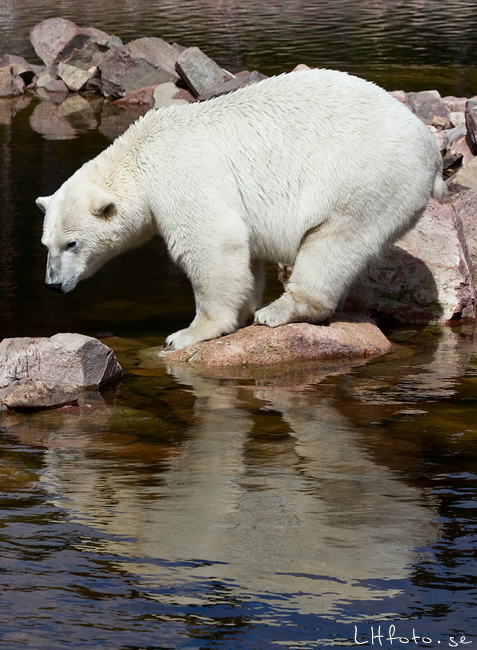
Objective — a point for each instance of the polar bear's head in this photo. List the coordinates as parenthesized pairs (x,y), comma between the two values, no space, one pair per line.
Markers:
(79,232)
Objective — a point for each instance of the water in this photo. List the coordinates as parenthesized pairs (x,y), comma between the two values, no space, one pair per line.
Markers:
(412,44)
(185,512)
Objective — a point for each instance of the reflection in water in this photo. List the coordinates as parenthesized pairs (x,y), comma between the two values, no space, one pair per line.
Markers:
(275,511)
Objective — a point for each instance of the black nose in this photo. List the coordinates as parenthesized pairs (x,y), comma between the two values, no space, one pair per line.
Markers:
(54,287)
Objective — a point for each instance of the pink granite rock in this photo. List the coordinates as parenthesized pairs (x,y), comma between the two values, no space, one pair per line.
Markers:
(11,84)
(141,96)
(347,336)
(66,359)
(200,72)
(430,108)
(54,39)
(426,277)
(232,85)
(465,206)
(168,94)
(141,63)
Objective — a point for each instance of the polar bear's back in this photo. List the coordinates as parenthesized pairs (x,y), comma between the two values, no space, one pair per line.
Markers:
(288,153)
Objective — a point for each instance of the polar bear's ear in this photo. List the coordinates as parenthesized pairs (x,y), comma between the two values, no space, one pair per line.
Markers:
(104,207)
(42,202)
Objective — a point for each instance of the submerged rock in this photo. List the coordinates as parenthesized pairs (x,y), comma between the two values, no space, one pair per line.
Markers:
(31,394)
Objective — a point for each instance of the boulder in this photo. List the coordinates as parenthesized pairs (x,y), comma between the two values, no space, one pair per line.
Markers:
(471,122)
(200,72)
(467,175)
(465,206)
(426,277)
(141,63)
(65,359)
(168,94)
(346,336)
(430,108)
(48,81)
(74,78)
(231,85)
(30,394)
(141,96)
(458,152)
(21,67)
(402,97)
(455,104)
(11,84)
(54,39)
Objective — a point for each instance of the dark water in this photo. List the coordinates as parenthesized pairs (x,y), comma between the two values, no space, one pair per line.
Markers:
(411,44)
(184,512)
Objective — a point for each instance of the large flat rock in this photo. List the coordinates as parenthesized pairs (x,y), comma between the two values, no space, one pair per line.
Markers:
(347,336)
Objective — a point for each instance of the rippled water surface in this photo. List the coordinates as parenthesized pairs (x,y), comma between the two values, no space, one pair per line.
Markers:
(412,44)
(177,511)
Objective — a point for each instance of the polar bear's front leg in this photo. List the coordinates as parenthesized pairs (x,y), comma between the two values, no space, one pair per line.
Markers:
(225,290)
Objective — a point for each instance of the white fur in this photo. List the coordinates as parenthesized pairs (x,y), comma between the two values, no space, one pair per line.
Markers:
(317,169)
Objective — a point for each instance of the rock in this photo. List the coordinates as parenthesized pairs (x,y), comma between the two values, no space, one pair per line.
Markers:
(458,152)
(402,97)
(66,359)
(54,39)
(465,206)
(21,67)
(346,336)
(199,72)
(457,118)
(168,94)
(50,82)
(425,278)
(141,63)
(141,96)
(75,78)
(31,394)
(455,104)
(471,123)
(11,84)
(301,66)
(231,85)
(467,175)
(430,108)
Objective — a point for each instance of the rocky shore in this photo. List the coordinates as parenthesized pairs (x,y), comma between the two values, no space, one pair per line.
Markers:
(91,80)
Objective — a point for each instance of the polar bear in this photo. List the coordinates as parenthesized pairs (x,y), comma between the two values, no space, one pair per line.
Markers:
(317,169)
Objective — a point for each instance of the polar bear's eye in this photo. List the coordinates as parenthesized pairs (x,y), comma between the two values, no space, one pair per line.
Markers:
(70,245)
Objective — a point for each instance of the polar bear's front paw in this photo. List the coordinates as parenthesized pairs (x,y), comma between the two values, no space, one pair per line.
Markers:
(181,339)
